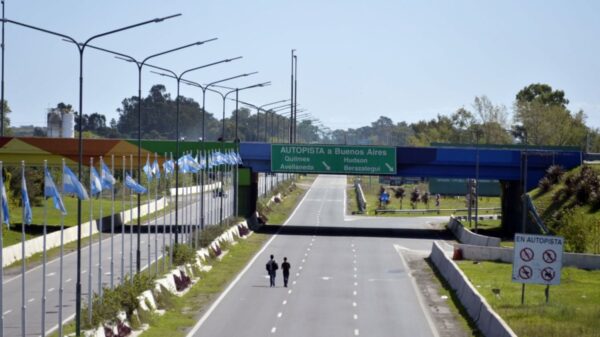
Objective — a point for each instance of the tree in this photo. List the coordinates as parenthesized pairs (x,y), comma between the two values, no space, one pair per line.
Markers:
(6,118)
(494,121)
(543,94)
(541,114)
(414,197)
(400,193)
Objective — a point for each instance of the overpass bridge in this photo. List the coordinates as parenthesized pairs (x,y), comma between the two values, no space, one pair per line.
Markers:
(508,165)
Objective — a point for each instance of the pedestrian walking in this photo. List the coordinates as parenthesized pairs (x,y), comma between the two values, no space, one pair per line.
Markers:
(285,267)
(272,270)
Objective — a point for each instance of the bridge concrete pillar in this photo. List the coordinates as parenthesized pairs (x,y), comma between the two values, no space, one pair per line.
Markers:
(512,207)
(247,195)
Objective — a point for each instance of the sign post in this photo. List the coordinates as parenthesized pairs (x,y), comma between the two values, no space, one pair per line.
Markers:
(366,160)
(537,260)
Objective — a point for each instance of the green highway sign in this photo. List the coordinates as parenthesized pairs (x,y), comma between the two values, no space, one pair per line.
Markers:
(339,159)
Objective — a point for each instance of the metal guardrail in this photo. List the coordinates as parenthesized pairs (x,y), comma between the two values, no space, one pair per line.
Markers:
(434,210)
(360,197)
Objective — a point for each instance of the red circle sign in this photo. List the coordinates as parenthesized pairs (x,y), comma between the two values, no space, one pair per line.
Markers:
(525,272)
(548,274)
(526,254)
(549,256)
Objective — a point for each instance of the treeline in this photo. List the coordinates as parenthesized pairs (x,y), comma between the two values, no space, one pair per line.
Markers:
(539,116)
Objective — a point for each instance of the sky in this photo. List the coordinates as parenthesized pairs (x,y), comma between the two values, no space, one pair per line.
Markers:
(357,60)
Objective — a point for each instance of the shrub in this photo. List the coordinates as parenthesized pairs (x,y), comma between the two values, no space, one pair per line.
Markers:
(544,184)
(123,297)
(183,254)
(576,230)
(554,173)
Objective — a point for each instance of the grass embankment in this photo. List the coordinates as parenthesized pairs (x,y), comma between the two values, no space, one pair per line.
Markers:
(371,189)
(572,310)
(570,207)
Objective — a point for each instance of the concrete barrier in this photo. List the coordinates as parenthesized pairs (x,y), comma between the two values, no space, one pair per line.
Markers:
(195,189)
(488,322)
(505,254)
(12,254)
(464,235)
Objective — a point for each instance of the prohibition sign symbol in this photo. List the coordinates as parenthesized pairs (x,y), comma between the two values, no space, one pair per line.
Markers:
(548,274)
(526,254)
(549,256)
(525,272)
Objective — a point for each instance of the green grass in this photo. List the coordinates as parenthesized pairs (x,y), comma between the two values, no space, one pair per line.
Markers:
(573,308)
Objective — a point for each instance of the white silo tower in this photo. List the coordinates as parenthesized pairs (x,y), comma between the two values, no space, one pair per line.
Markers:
(54,124)
(68,125)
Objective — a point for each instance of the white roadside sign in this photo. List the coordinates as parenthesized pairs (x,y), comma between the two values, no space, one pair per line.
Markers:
(537,259)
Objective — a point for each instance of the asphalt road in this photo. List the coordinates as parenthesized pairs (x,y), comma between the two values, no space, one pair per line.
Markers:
(348,276)
(12,289)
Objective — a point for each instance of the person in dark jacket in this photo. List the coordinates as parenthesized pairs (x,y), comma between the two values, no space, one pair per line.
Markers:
(271,270)
(285,267)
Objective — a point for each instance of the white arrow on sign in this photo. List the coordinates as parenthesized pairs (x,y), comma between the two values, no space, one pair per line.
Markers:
(327,167)
(389,167)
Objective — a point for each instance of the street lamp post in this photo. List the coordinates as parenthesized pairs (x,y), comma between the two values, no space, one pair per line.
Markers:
(81,49)
(224,98)
(140,65)
(179,78)
(258,108)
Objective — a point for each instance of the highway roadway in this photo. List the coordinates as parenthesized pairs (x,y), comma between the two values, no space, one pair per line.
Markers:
(12,293)
(348,276)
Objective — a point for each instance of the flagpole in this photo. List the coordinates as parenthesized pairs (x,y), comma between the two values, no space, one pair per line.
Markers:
(123,221)
(156,215)
(197,236)
(23,303)
(112,226)
(166,187)
(44,257)
(149,231)
(62,240)
(131,225)
(1,254)
(100,229)
(90,244)
(171,224)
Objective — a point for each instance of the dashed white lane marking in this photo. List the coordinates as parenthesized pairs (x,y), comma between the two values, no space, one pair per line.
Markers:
(354,250)
(300,268)
(355,269)
(50,290)
(354,304)
(308,249)
(355,316)
(108,273)
(273,329)
(354,261)
(355,276)
(294,282)
(84,271)
(297,274)
(50,274)
(290,291)
(279,315)
(284,302)
(6,312)
(303,260)
(355,332)
(68,280)
(31,300)
(354,293)
(305,254)
(355,284)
